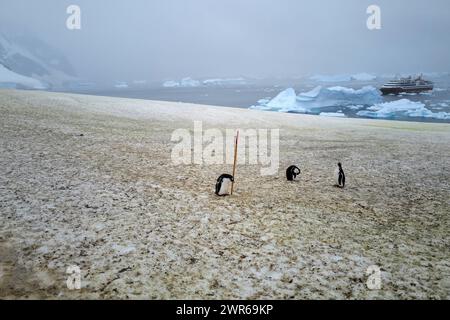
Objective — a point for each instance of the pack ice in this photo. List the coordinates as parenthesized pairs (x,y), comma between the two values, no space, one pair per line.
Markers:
(403,107)
(319,97)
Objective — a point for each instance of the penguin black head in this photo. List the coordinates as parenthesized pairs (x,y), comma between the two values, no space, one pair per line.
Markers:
(340,165)
(226,176)
(292,172)
(222,184)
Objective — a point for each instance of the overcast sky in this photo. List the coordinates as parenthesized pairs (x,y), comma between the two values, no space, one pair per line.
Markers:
(165,39)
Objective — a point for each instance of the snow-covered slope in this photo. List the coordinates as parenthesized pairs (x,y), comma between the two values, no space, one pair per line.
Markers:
(10,79)
(27,56)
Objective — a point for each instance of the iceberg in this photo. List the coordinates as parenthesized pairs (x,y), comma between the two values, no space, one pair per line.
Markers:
(363,77)
(285,99)
(264,101)
(435,74)
(224,82)
(121,85)
(310,95)
(184,83)
(332,114)
(189,82)
(344,77)
(403,107)
(357,107)
(331,78)
(319,97)
(342,96)
(171,84)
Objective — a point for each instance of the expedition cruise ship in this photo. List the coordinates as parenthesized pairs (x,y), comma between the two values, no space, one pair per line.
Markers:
(407,85)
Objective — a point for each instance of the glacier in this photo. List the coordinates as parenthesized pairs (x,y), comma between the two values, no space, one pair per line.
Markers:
(403,107)
(319,97)
(27,56)
(10,79)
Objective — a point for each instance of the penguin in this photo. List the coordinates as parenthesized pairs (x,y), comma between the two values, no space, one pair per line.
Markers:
(341,176)
(223,185)
(292,172)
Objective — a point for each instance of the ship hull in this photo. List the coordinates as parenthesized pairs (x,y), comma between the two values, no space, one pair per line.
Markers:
(399,90)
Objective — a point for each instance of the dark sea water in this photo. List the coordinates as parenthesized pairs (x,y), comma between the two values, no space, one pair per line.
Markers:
(247,95)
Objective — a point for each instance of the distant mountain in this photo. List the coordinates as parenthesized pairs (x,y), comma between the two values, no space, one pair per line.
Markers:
(30,63)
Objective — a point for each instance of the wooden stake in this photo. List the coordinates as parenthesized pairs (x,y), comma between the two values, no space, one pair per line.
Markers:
(236,141)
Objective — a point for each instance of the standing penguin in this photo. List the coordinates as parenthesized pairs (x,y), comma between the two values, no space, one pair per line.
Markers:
(223,185)
(341,176)
(292,172)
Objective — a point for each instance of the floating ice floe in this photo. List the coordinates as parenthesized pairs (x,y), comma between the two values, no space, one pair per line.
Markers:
(403,107)
(311,101)
(171,84)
